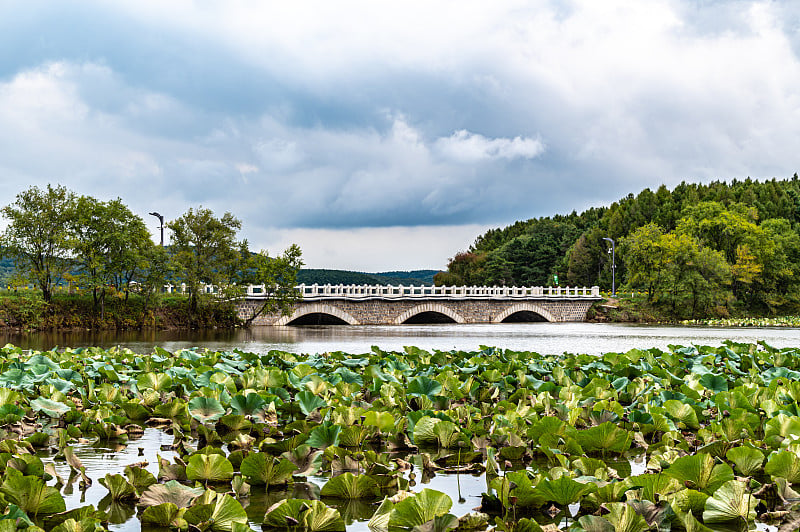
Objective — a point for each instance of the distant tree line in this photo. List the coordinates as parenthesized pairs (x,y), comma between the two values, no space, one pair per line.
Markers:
(57,237)
(695,250)
(324,276)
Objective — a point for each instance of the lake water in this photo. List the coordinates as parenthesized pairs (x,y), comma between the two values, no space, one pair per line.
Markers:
(543,338)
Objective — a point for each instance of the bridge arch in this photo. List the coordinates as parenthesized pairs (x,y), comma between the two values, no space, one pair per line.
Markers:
(318,308)
(429,307)
(524,307)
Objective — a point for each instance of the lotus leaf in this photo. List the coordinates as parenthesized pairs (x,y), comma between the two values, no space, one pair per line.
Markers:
(732,501)
(605,437)
(220,515)
(164,515)
(159,382)
(784,464)
(308,402)
(350,486)
(625,519)
(118,487)
(264,469)
(171,492)
(31,494)
(250,405)
(324,435)
(564,490)
(419,509)
(747,459)
(307,460)
(54,409)
(423,386)
(593,523)
(206,409)
(700,472)
(311,516)
(209,468)
(682,412)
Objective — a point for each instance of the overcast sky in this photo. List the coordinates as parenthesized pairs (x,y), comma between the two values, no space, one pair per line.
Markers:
(384,135)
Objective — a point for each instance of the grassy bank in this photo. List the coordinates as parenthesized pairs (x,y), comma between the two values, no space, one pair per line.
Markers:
(633,307)
(27,311)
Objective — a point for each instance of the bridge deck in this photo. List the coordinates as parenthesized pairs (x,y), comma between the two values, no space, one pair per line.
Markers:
(317,292)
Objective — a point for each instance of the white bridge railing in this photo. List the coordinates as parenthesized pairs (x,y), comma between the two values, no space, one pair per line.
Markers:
(361,292)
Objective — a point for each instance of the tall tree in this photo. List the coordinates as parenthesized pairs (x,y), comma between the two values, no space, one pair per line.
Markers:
(109,243)
(205,250)
(37,235)
(277,277)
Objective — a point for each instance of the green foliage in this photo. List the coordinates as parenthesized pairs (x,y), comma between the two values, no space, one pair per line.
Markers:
(37,235)
(205,250)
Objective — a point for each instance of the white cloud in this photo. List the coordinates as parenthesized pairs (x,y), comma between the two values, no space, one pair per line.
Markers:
(466,147)
(374,249)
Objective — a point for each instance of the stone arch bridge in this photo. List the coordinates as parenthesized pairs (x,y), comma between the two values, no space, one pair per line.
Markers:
(394,305)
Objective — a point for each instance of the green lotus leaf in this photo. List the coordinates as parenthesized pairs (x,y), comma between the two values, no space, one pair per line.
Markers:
(688,500)
(163,515)
(781,426)
(135,411)
(700,472)
(89,524)
(350,486)
(140,478)
(221,515)
(17,379)
(27,464)
(424,433)
(307,460)
(380,519)
(54,409)
(286,514)
(205,409)
(654,486)
(784,464)
(625,519)
(447,434)
(118,487)
(234,422)
(159,382)
(605,437)
(383,420)
(732,501)
(320,518)
(563,491)
(747,459)
(209,468)
(250,405)
(324,435)
(172,492)
(714,383)
(438,524)
(682,412)
(31,494)
(593,523)
(9,397)
(419,509)
(261,469)
(423,386)
(14,515)
(308,402)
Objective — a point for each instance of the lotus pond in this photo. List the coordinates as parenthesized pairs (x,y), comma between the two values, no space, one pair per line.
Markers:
(687,438)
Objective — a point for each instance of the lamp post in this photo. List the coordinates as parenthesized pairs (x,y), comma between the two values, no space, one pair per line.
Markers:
(613,267)
(160,219)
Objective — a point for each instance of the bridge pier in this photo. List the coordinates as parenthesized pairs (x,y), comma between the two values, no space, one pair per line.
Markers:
(351,305)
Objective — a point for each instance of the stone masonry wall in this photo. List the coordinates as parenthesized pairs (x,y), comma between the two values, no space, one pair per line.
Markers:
(389,312)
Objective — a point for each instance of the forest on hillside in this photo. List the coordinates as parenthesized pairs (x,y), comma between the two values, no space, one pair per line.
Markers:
(697,250)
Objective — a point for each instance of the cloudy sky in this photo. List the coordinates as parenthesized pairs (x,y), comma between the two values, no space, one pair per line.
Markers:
(386,135)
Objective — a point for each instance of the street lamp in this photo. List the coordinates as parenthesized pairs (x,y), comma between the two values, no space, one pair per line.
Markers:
(160,219)
(613,267)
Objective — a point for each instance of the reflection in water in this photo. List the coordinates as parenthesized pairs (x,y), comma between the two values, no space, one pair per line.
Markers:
(545,338)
